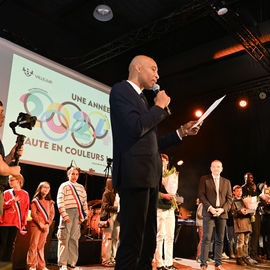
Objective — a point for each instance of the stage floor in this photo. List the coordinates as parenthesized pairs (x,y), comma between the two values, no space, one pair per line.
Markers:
(186,264)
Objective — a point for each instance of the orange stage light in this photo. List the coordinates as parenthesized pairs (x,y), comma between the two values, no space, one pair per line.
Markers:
(198,113)
(243,103)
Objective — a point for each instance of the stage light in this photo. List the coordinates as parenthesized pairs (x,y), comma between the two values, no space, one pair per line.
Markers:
(243,103)
(222,11)
(180,162)
(198,113)
(262,95)
(103,13)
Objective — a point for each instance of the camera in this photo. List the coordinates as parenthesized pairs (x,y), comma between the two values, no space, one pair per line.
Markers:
(109,161)
(108,169)
(24,120)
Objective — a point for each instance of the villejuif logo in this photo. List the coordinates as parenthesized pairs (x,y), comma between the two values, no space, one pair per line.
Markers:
(28,72)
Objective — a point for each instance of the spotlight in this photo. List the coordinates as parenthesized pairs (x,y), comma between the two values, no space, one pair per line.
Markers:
(222,11)
(103,13)
(198,113)
(262,95)
(180,162)
(243,103)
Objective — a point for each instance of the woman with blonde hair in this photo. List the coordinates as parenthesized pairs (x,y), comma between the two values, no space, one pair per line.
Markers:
(42,213)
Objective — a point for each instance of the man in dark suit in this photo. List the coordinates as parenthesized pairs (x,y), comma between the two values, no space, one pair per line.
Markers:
(137,165)
(216,195)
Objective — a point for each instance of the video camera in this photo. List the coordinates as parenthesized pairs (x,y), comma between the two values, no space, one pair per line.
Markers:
(24,120)
(109,167)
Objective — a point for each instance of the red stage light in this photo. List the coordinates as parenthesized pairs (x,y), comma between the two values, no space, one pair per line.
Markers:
(243,103)
(198,113)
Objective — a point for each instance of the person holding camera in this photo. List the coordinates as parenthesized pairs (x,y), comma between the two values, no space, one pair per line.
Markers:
(5,169)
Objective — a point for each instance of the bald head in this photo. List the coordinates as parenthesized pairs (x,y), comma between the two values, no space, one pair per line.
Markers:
(216,168)
(138,60)
(143,71)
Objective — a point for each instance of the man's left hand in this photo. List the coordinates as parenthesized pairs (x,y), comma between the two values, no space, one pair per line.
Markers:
(219,211)
(187,130)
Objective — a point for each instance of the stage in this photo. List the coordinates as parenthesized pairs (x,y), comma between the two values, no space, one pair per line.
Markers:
(187,264)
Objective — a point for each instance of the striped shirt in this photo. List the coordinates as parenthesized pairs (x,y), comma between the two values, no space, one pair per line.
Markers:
(65,198)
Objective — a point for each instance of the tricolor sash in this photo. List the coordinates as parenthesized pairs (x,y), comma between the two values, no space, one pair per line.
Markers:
(78,201)
(41,210)
(18,210)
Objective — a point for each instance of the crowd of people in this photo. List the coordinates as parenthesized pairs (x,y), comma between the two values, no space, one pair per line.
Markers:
(247,219)
(140,197)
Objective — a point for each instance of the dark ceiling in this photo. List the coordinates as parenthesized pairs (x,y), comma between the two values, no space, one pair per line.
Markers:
(182,36)
(200,55)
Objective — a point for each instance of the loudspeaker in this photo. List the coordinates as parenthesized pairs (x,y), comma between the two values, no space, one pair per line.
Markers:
(89,251)
(186,240)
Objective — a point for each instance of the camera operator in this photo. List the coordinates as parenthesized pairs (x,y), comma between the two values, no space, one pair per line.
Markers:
(5,169)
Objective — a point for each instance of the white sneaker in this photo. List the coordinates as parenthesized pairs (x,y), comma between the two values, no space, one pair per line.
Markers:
(63,267)
(224,256)
(32,268)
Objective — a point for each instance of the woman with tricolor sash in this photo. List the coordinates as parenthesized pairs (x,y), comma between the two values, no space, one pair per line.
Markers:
(42,213)
(73,208)
(14,218)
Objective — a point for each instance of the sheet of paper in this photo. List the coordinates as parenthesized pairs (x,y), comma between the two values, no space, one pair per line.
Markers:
(209,110)
(250,211)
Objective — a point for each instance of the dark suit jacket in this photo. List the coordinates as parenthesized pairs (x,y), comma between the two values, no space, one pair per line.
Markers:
(208,194)
(136,158)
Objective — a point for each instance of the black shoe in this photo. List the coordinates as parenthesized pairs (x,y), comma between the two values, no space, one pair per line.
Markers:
(240,261)
(161,268)
(247,261)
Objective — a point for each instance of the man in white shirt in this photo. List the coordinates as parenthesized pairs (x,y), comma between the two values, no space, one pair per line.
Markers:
(216,195)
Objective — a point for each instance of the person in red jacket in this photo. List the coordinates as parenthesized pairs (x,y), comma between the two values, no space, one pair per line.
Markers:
(42,213)
(14,218)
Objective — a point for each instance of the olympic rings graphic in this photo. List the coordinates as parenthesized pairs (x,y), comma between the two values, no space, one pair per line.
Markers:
(57,120)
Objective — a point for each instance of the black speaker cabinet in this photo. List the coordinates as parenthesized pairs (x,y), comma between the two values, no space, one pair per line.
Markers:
(89,251)
(186,239)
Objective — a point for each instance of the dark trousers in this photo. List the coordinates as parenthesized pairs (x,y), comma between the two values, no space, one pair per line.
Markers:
(209,223)
(138,228)
(266,234)
(7,241)
(255,235)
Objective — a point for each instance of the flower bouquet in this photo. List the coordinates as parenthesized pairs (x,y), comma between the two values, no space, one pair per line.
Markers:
(170,181)
(251,203)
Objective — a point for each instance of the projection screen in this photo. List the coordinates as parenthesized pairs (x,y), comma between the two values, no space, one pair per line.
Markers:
(72,110)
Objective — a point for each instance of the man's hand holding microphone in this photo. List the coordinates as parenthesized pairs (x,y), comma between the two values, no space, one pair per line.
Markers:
(163,100)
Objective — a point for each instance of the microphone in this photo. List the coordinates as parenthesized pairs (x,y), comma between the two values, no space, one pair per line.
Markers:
(156,89)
